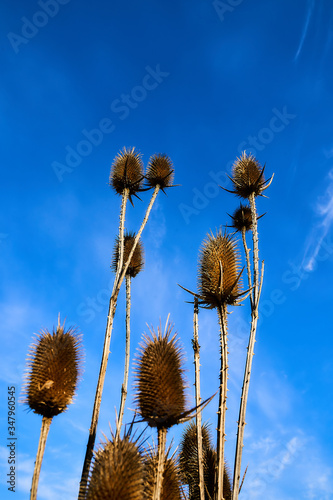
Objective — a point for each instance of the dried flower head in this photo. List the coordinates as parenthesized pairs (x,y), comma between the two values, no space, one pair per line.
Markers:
(160,387)
(219,271)
(118,472)
(127,172)
(171,485)
(188,463)
(137,260)
(242,218)
(54,366)
(248,177)
(159,171)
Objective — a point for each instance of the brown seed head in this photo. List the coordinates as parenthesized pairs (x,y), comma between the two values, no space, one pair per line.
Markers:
(54,366)
(137,260)
(160,387)
(127,172)
(242,218)
(159,171)
(188,463)
(248,176)
(171,485)
(118,472)
(219,271)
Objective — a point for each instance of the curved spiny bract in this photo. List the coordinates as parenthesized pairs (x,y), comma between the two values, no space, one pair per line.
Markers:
(248,176)
(127,172)
(118,472)
(159,171)
(219,271)
(137,260)
(171,484)
(54,366)
(160,386)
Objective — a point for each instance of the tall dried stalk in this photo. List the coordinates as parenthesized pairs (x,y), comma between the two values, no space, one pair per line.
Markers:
(222,313)
(106,350)
(46,422)
(161,433)
(127,356)
(196,349)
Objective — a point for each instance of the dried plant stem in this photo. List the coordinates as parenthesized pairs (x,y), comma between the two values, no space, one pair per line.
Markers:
(127,356)
(196,349)
(222,313)
(162,432)
(105,355)
(255,295)
(121,237)
(46,422)
(248,264)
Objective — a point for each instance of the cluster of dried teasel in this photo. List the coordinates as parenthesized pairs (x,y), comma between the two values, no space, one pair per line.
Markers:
(123,467)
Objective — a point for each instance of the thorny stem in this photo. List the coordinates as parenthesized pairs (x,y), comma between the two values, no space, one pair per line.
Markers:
(248,265)
(121,237)
(162,432)
(196,350)
(255,295)
(46,422)
(127,356)
(222,313)
(105,355)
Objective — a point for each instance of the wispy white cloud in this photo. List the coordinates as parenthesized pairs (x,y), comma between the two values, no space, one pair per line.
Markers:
(324,211)
(310,8)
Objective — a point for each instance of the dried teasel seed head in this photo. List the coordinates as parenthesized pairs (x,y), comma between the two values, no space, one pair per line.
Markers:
(159,171)
(137,260)
(188,463)
(248,176)
(127,172)
(160,386)
(219,279)
(242,218)
(118,472)
(54,366)
(171,484)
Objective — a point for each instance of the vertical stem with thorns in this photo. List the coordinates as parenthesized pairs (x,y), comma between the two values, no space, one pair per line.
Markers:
(105,355)
(254,299)
(222,313)
(46,422)
(127,356)
(196,349)
(162,432)
(121,236)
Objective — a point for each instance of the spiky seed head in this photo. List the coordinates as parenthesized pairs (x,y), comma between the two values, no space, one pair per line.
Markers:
(118,472)
(53,367)
(171,484)
(137,260)
(188,463)
(219,271)
(160,386)
(127,172)
(242,218)
(247,176)
(159,171)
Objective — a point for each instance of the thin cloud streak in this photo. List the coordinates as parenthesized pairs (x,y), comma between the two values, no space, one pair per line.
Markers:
(311,4)
(324,209)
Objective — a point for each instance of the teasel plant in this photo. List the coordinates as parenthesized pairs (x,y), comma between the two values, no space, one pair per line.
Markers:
(118,470)
(126,179)
(188,464)
(248,183)
(171,483)
(135,267)
(160,389)
(54,366)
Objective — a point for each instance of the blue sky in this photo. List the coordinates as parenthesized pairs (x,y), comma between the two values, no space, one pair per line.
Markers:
(199,81)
